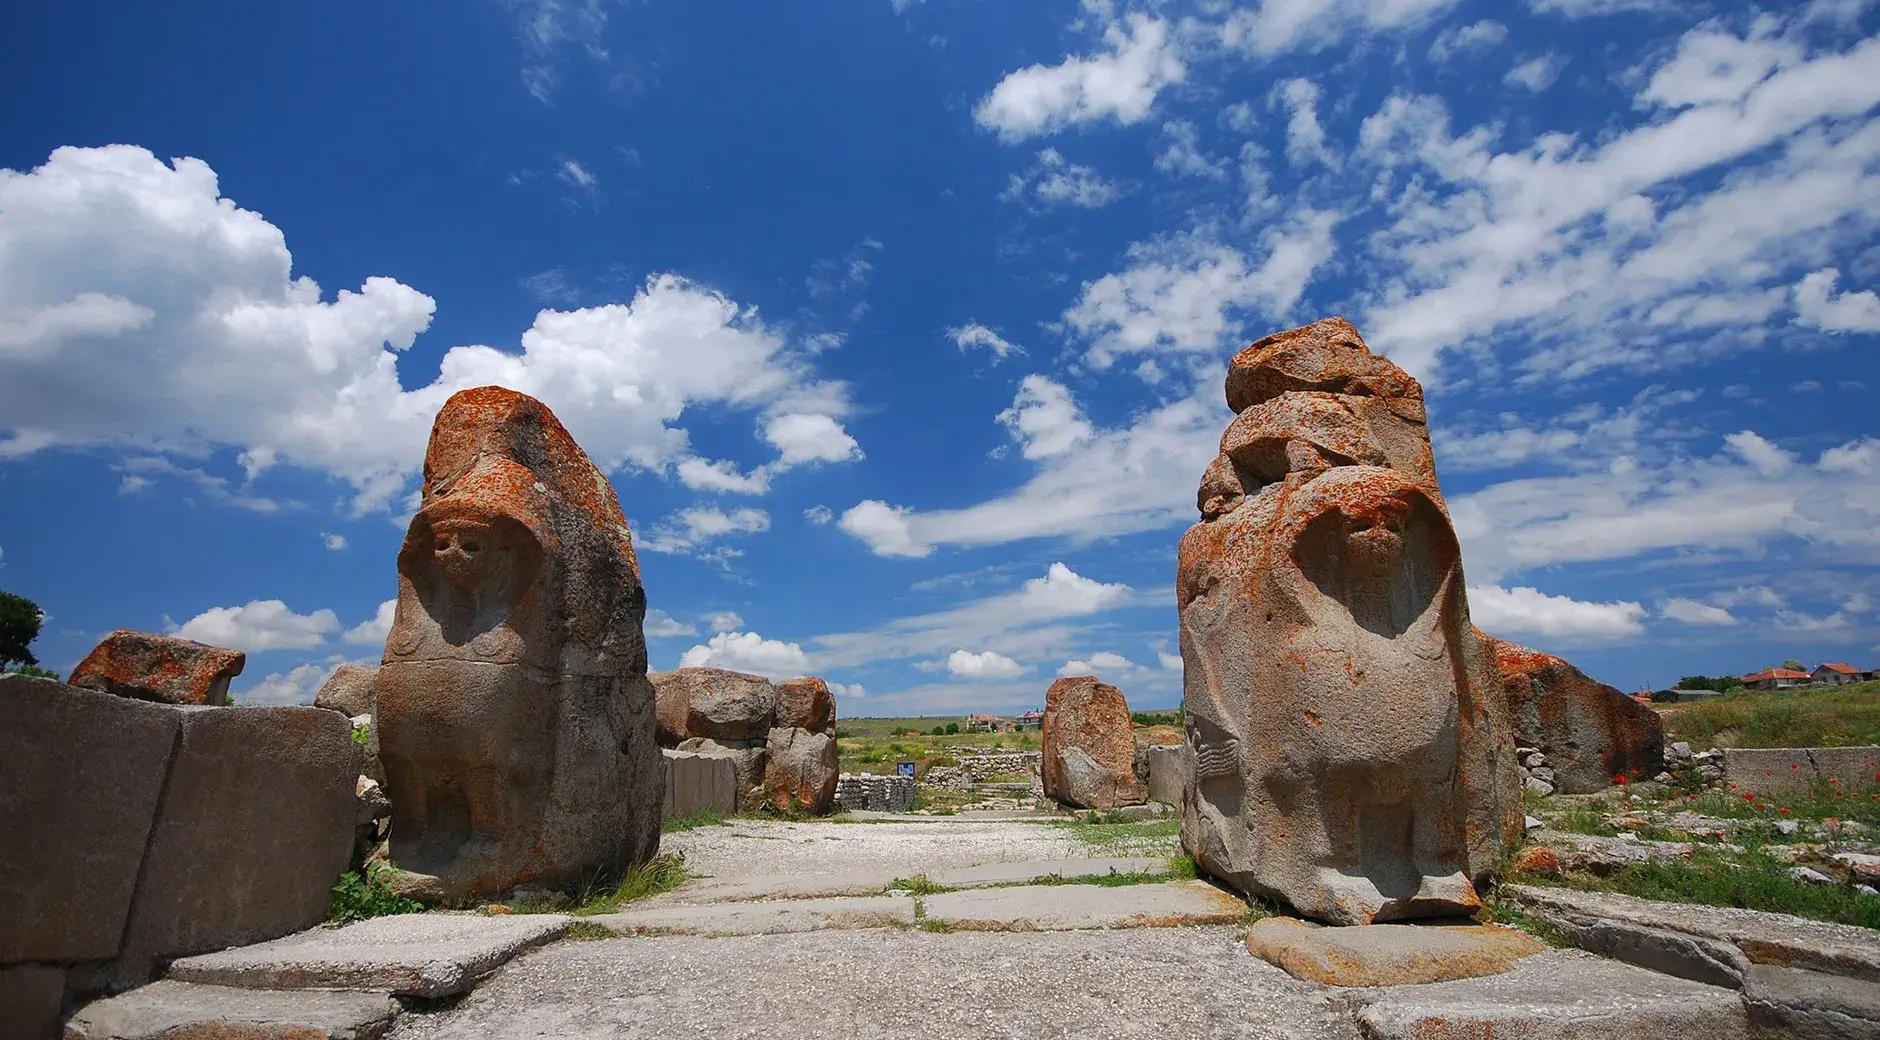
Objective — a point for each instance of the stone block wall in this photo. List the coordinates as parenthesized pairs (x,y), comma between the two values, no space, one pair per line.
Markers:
(136,832)
(697,782)
(875,793)
(1791,772)
(1165,773)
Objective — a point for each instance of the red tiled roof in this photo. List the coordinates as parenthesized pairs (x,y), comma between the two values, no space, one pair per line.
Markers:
(1837,666)
(1775,673)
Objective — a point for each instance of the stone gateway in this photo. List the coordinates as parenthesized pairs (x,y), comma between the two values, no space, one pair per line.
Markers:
(514,713)
(1348,747)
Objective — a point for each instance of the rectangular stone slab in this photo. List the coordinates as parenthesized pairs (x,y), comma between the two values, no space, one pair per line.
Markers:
(84,771)
(1765,938)
(165,1010)
(1558,995)
(1388,954)
(1012,873)
(801,886)
(415,955)
(256,826)
(1046,908)
(774,917)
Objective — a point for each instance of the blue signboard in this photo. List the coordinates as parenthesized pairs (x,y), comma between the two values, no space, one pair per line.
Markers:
(904,768)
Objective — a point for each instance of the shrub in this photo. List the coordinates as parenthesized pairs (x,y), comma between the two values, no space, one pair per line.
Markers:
(359,897)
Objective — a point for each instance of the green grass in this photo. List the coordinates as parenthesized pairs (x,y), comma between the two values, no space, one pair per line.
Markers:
(1753,880)
(1823,801)
(1113,833)
(876,745)
(1511,916)
(707,818)
(918,885)
(659,874)
(1581,818)
(588,931)
(1841,716)
(358,898)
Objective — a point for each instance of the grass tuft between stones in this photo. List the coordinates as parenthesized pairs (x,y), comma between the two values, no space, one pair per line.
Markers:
(659,874)
(693,822)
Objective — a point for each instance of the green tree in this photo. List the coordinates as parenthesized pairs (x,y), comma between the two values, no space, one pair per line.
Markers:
(20,619)
(1794,665)
(1720,683)
(952,728)
(938,731)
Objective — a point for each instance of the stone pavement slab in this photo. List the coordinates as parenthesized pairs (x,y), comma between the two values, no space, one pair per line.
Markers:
(900,985)
(1764,938)
(772,917)
(769,886)
(419,955)
(1015,873)
(1558,995)
(169,1010)
(1808,1005)
(1388,954)
(1041,908)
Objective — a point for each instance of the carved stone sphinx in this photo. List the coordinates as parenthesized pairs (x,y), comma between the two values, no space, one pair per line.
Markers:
(515,716)
(1350,750)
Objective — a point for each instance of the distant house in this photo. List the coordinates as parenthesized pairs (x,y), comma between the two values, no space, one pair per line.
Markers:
(987,724)
(1834,673)
(1033,719)
(1776,679)
(1678,695)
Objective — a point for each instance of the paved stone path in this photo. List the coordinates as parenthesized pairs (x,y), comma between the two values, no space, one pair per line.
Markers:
(793,930)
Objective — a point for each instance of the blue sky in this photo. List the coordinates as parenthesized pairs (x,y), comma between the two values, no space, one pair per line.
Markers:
(900,325)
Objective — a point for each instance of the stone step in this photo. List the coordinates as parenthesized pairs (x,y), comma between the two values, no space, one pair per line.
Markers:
(1558,995)
(1706,943)
(1042,908)
(167,1010)
(1808,1005)
(773,917)
(1388,954)
(417,955)
(1018,873)
(704,890)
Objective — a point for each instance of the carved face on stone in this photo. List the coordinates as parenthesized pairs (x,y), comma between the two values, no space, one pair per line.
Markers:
(472,568)
(1384,560)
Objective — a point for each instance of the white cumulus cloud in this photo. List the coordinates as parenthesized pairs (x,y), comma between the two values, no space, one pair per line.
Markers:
(1120,83)
(748,652)
(262,624)
(1526,610)
(988,664)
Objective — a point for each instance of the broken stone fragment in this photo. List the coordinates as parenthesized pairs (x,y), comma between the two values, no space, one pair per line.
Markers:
(152,667)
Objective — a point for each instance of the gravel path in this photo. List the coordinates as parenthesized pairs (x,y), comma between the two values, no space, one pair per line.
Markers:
(1153,983)
(777,848)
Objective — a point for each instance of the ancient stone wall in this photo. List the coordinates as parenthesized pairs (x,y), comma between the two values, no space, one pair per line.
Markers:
(698,783)
(874,793)
(139,831)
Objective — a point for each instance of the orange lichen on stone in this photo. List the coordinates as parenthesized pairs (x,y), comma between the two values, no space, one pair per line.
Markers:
(155,667)
(1351,749)
(1589,731)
